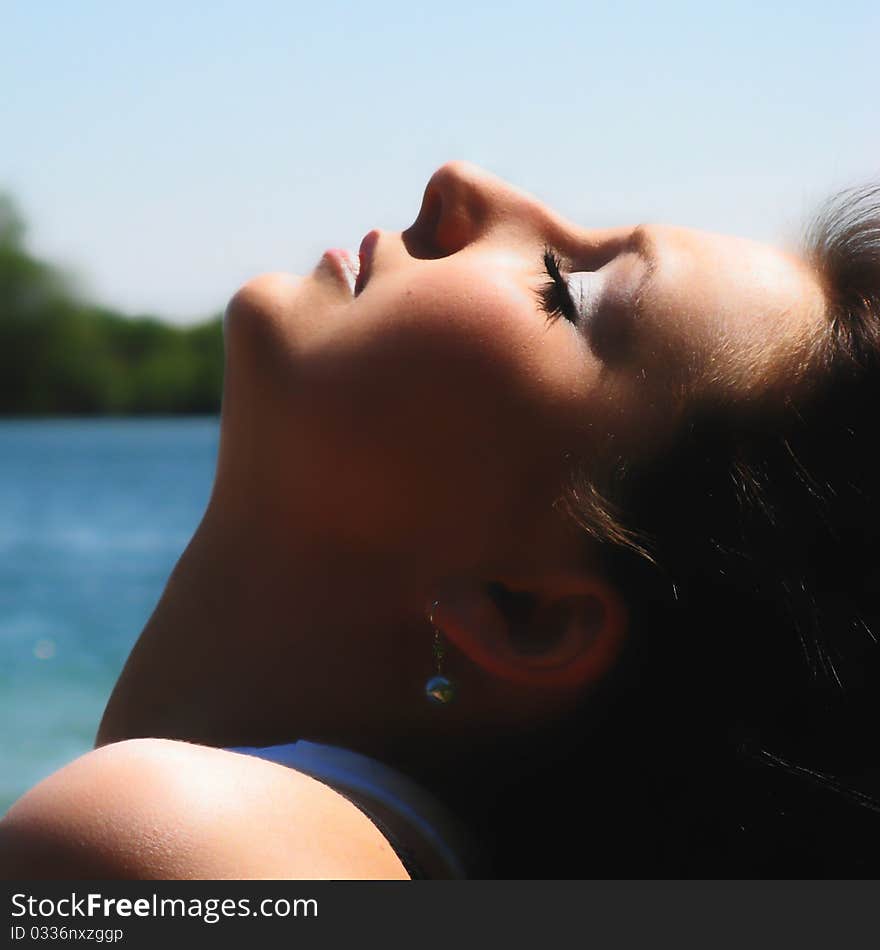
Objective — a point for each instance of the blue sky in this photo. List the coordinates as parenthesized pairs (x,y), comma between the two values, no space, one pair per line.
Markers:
(166,151)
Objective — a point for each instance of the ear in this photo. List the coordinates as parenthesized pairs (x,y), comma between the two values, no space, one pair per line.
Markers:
(560,632)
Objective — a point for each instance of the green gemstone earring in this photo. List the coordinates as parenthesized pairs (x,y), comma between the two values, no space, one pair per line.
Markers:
(438,689)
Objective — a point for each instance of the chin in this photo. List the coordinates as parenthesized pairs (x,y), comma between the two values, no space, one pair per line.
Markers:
(269,325)
(265,298)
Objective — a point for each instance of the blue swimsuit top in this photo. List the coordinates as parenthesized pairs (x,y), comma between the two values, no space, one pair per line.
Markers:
(428,839)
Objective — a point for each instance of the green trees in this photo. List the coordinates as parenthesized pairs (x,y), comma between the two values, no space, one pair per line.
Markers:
(61,356)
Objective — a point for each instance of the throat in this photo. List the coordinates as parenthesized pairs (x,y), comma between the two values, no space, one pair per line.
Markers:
(253,650)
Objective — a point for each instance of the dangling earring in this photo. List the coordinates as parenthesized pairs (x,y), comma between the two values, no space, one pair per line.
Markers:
(438,689)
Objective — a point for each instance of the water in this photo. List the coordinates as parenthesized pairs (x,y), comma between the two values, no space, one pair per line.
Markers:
(93,516)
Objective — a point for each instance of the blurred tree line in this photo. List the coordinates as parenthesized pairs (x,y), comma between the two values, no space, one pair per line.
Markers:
(61,356)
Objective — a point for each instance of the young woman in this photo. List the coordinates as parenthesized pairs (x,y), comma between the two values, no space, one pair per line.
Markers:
(566,533)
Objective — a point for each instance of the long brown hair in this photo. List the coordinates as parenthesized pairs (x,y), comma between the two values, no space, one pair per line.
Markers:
(750,555)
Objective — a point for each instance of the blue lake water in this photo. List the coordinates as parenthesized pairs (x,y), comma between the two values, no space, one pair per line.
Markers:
(93,516)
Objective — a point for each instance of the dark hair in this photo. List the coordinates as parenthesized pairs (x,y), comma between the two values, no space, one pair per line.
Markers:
(745,714)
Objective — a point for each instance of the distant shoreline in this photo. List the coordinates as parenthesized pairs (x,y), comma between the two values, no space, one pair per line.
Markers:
(63,356)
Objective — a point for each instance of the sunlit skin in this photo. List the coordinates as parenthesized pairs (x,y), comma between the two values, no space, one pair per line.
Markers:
(437,407)
(406,445)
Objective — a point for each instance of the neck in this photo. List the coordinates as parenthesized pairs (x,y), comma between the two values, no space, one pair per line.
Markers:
(259,639)
(263,637)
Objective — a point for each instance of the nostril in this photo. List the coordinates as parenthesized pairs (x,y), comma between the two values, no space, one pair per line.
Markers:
(457,223)
(421,238)
(452,213)
(432,206)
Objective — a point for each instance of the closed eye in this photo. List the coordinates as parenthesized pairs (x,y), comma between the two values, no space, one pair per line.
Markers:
(574,296)
(554,297)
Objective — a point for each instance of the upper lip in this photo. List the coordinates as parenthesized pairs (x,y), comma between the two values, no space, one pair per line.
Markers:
(365,254)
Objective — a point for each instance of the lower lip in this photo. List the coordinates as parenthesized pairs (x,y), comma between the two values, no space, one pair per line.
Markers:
(337,258)
(365,254)
(338,262)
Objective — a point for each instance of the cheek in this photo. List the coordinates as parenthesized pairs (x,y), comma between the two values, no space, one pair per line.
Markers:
(445,400)
(480,358)
(444,403)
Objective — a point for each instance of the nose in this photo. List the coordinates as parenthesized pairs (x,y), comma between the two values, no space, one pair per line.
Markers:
(461,202)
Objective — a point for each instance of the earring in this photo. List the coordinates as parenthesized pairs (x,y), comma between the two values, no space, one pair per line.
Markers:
(438,689)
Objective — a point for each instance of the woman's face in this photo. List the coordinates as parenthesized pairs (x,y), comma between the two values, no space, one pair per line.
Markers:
(438,407)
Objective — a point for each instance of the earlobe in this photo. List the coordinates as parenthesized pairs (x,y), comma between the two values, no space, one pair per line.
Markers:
(562,634)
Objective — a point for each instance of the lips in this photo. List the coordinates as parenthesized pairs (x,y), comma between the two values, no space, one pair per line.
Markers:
(350,269)
(343,265)
(365,257)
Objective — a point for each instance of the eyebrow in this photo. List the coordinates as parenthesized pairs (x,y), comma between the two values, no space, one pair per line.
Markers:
(611,338)
(642,242)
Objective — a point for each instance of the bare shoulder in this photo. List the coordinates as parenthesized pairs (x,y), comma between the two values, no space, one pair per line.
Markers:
(161,809)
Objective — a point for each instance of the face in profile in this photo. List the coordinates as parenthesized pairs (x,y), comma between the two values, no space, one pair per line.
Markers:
(436,402)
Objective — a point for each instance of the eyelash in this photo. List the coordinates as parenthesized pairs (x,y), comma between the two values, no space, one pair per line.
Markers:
(554,297)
